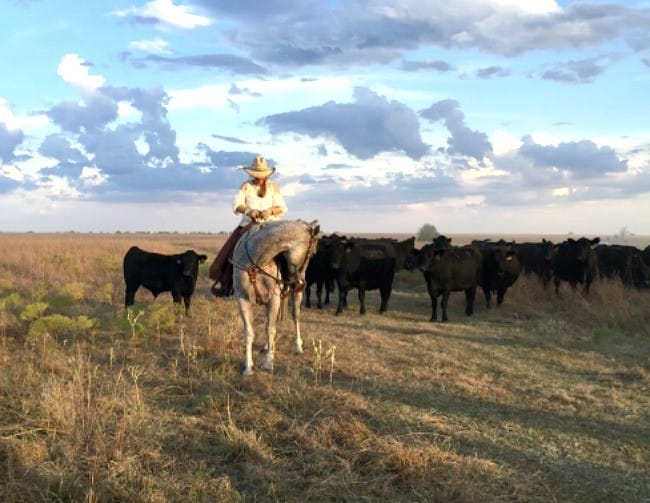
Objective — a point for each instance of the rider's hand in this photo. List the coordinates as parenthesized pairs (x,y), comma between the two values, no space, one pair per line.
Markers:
(266,214)
(254,214)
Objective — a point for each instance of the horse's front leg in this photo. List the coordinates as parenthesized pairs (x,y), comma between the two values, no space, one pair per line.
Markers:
(297,299)
(272,310)
(246,311)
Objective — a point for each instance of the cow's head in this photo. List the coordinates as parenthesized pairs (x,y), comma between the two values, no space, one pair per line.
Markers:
(428,257)
(548,250)
(582,248)
(190,261)
(441,242)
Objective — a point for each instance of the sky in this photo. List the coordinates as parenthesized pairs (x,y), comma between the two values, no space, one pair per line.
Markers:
(490,116)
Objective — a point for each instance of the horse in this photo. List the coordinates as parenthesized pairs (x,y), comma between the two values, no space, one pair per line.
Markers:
(257,277)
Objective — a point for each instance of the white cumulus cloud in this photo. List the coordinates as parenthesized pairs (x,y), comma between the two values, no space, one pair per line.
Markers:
(74,70)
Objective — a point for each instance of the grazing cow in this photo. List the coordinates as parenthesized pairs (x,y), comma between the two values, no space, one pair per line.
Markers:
(320,270)
(369,264)
(499,270)
(537,258)
(624,262)
(450,270)
(576,262)
(161,273)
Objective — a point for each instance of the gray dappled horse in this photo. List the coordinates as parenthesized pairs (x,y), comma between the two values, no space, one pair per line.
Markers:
(257,277)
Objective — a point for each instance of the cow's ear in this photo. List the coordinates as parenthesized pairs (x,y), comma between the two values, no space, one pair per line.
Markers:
(202,258)
(595,241)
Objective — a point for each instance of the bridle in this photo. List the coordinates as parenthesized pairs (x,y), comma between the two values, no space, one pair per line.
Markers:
(255,268)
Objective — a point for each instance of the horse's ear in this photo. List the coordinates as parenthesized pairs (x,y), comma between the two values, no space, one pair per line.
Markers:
(314,227)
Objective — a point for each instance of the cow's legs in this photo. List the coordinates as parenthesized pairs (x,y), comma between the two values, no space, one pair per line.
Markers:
(319,294)
(443,304)
(557,285)
(246,311)
(329,287)
(129,295)
(186,301)
(501,293)
(488,296)
(362,297)
(470,295)
(176,295)
(343,294)
(308,296)
(385,295)
(434,302)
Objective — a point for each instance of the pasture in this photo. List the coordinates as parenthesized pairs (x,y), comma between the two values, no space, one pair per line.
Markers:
(546,398)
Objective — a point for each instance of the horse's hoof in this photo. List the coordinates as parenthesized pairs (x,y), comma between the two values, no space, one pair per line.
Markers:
(247,372)
(267,367)
(299,351)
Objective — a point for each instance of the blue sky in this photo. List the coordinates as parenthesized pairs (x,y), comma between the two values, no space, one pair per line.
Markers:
(497,116)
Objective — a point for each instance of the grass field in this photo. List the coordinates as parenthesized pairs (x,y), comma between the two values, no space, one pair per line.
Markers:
(545,399)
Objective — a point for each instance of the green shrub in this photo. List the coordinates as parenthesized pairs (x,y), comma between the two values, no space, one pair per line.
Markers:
(56,325)
(33,311)
(105,294)
(110,262)
(11,301)
(75,290)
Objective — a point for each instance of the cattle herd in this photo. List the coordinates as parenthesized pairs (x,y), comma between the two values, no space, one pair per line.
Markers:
(491,266)
(370,264)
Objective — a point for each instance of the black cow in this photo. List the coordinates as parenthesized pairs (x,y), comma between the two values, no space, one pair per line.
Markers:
(537,258)
(369,264)
(320,270)
(161,273)
(450,270)
(623,262)
(499,270)
(441,242)
(576,262)
(645,255)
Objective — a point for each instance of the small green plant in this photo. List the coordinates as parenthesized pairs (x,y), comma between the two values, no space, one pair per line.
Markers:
(75,290)
(105,293)
(33,311)
(11,301)
(110,262)
(132,319)
(57,324)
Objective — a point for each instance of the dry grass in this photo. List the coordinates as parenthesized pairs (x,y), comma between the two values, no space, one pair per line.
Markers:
(544,399)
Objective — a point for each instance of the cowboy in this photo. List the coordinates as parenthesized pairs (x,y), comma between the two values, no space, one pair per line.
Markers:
(258,200)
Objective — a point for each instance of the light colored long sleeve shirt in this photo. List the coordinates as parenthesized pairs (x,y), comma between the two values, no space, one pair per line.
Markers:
(247,197)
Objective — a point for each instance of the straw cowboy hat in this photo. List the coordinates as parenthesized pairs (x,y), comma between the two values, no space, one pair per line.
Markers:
(259,168)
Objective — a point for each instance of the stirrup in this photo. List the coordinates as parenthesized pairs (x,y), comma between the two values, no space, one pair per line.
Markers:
(221,291)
